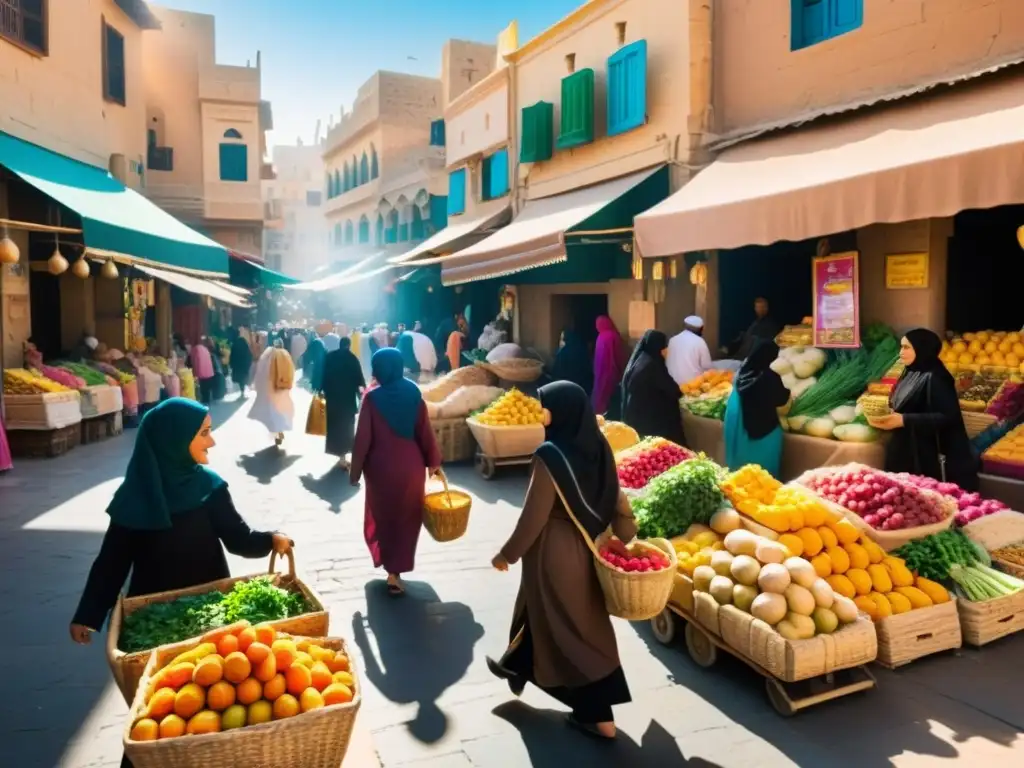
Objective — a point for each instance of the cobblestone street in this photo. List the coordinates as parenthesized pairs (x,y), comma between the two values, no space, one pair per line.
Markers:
(429,700)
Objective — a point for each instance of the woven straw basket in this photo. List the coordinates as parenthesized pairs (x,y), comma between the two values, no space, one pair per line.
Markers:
(315,739)
(127,668)
(446,513)
(454,439)
(518,370)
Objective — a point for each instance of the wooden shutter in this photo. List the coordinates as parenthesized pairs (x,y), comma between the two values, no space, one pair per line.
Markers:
(234,159)
(627,88)
(577,119)
(538,126)
(845,16)
(437,133)
(495,181)
(457,192)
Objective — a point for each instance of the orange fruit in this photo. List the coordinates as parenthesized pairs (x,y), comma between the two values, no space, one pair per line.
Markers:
(208,671)
(246,638)
(204,722)
(145,730)
(161,704)
(257,652)
(237,667)
(337,693)
(265,634)
(220,696)
(171,727)
(273,688)
(311,699)
(286,705)
(248,691)
(303,659)
(320,676)
(320,654)
(266,669)
(189,700)
(345,678)
(303,644)
(284,652)
(260,712)
(233,717)
(298,678)
(227,645)
(339,663)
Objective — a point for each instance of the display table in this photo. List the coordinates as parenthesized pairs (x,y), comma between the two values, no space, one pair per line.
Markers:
(799,452)
(1004,489)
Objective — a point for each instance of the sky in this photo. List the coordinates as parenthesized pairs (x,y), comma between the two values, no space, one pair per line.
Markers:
(316,53)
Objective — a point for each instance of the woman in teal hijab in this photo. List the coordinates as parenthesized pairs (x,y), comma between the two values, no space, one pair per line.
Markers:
(170,520)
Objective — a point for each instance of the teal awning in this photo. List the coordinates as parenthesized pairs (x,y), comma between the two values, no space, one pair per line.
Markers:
(254,273)
(114,218)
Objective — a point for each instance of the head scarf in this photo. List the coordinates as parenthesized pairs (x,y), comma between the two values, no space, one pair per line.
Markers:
(331,341)
(917,376)
(578,457)
(609,362)
(345,344)
(760,390)
(572,362)
(162,478)
(407,350)
(647,350)
(395,397)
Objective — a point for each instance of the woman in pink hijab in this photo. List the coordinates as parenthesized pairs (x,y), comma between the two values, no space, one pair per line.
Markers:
(609,363)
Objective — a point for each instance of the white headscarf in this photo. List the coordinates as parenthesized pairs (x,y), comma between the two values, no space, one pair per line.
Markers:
(332,342)
(693,322)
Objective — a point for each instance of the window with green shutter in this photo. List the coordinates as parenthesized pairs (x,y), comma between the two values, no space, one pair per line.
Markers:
(538,127)
(577,120)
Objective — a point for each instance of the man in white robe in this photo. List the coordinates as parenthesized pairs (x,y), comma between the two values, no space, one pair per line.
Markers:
(688,353)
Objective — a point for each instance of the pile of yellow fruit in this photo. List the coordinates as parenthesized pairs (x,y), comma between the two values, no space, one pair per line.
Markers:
(510,410)
(1009,448)
(242,675)
(696,548)
(709,383)
(998,351)
(18,381)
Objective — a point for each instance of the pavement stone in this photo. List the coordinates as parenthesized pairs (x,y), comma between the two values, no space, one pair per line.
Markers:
(429,701)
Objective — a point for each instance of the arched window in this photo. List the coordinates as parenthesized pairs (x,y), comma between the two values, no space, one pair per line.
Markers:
(234,157)
(349,234)
(364,170)
(391,235)
(355,173)
(374,169)
(337,233)
(364,229)
(337,183)
(346,180)
(380,229)
(329,185)
(416,229)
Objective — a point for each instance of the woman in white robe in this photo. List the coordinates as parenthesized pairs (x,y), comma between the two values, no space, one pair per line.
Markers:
(273,407)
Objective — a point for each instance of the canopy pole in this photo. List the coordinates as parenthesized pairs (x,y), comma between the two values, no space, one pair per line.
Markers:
(616,231)
(30,226)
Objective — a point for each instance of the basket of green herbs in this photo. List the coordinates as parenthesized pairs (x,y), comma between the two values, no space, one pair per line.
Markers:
(140,624)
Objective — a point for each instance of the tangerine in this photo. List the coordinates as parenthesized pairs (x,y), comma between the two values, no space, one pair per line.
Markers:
(320,676)
(233,717)
(345,678)
(189,700)
(337,693)
(266,669)
(203,722)
(171,727)
(273,688)
(265,634)
(303,659)
(286,705)
(260,712)
(145,729)
(284,652)
(227,645)
(208,671)
(237,667)
(246,638)
(311,699)
(220,696)
(249,690)
(257,652)
(339,663)
(161,704)
(298,679)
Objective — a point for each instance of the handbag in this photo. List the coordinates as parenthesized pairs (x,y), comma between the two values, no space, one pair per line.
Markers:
(316,419)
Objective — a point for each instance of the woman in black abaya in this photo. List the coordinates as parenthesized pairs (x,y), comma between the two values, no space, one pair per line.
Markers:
(342,383)
(650,396)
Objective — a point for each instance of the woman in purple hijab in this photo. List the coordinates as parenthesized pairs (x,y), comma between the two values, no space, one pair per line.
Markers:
(609,363)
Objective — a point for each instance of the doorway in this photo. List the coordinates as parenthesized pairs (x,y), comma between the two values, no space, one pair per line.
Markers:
(44,309)
(577,312)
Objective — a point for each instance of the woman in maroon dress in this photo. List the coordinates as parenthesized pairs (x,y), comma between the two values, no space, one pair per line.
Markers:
(396,450)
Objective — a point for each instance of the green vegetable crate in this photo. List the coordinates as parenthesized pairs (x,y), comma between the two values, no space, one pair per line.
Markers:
(127,667)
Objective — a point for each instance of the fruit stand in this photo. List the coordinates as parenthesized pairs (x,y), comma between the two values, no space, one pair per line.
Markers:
(449,400)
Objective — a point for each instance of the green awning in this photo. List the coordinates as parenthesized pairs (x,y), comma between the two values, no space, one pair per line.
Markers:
(114,218)
(252,272)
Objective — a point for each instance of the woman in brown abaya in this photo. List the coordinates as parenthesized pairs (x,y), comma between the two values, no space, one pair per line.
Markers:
(562,638)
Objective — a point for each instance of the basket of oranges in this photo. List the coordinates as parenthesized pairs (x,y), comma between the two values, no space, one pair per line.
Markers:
(446,512)
(513,425)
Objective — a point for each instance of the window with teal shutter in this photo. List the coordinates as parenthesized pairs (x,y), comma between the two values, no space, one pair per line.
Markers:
(364,229)
(380,229)
(494,175)
(627,88)
(391,235)
(457,192)
(374,168)
(814,21)
(346,180)
(536,144)
(416,228)
(437,133)
(329,185)
(577,120)
(438,212)
(338,189)
(234,161)
(364,170)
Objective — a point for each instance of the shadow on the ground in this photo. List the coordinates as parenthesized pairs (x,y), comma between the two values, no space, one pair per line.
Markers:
(551,743)
(332,487)
(507,484)
(266,464)
(423,647)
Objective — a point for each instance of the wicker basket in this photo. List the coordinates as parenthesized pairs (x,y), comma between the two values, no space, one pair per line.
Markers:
(506,442)
(43,443)
(518,370)
(904,637)
(127,668)
(636,596)
(315,739)
(446,513)
(992,619)
(454,439)
(1007,567)
(976,423)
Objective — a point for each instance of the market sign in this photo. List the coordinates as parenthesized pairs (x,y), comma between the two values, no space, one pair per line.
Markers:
(836,300)
(906,270)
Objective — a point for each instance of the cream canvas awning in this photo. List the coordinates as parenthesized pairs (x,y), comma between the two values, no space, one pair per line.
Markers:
(374,264)
(458,234)
(198,286)
(536,237)
(931,157)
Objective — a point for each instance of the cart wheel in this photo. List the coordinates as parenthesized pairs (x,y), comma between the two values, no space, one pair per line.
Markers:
(485,466)
(702,650)
(663,626)
(777,696)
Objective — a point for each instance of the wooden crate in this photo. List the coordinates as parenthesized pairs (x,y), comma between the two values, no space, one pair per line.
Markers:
(906,637)
(981,623)
(98,428)
(43,443)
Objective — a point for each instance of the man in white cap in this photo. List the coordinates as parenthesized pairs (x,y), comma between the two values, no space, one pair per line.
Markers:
(688,353)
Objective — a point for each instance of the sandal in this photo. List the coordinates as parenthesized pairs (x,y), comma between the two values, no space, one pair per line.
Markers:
(396,589)
(515,682)
(588,729)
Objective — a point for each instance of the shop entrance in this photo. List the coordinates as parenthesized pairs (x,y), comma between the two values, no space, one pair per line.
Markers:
(985,268)
(577,312)
(44,300)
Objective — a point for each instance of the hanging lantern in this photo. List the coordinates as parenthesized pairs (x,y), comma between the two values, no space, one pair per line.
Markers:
(1020,236)
(699,274)
(109,270)
(9,252)
(80,268)
(57,264)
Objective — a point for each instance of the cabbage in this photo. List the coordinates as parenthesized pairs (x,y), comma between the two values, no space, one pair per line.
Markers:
(855,433)
(820,427)
(781,366)
(843,414)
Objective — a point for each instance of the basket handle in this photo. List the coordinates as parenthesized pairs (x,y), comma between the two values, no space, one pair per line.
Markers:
(291,562)
(582,530)
(440,475)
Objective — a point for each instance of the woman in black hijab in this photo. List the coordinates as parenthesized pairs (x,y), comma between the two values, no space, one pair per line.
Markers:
(562,639)
(650,396)
(342,383)
(928,433)
(572,362)
(753,434)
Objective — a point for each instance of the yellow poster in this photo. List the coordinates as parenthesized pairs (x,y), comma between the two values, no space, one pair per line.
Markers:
(906,270)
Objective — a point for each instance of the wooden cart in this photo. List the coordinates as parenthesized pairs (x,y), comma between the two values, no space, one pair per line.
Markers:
(786,698)
(503,446)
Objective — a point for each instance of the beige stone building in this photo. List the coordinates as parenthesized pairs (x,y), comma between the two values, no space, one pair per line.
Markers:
(295,239)
(205,135)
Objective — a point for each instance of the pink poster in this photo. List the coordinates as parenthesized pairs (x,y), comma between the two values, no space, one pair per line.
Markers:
(836,301)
